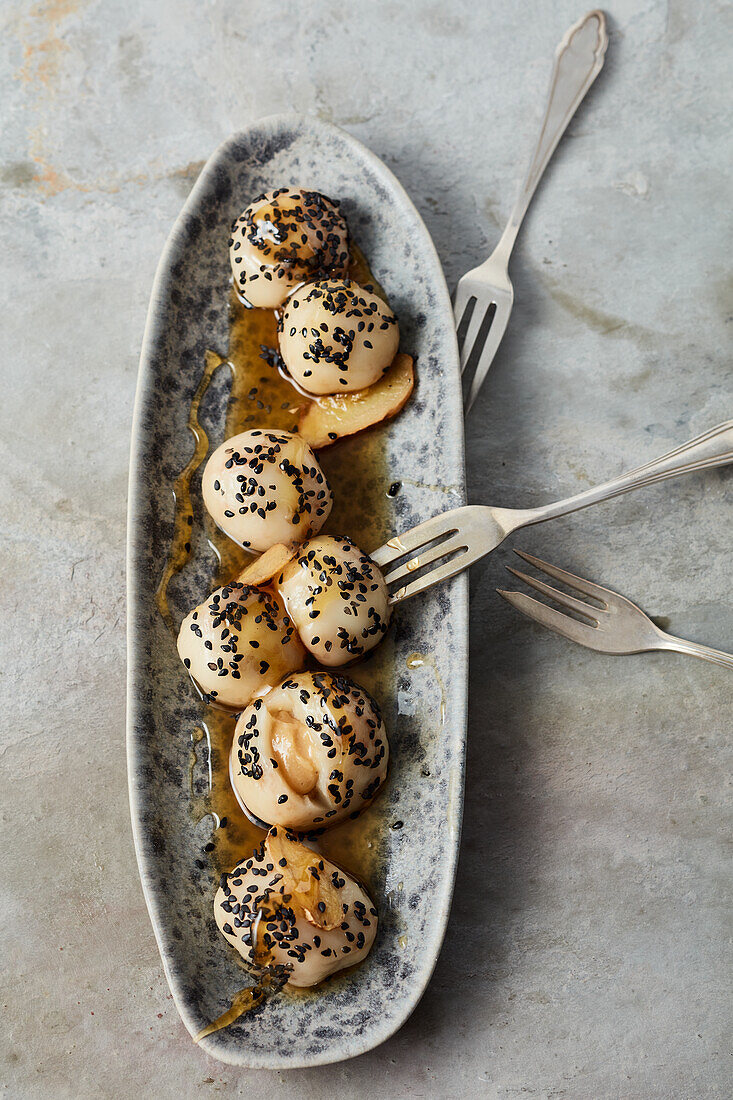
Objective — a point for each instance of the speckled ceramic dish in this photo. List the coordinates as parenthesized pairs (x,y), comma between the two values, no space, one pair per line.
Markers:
(421,681)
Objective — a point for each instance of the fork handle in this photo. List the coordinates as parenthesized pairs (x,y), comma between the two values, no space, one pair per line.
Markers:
(713,448)
(694,649)
(578,60)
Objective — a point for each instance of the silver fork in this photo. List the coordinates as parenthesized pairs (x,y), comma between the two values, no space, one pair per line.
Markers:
(618,626)
(449,543)
(484,296)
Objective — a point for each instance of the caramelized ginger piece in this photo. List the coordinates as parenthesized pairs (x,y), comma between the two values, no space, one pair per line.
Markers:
(306,879)
(337,415)
(267,565)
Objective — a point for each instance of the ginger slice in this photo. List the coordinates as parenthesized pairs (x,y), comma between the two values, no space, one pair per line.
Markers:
(305,878)
(330,418)
(264,568)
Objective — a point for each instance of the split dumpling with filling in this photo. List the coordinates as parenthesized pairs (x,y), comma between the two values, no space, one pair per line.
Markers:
(285,238)
(311,752)
(337,598)
(264,487)
(238,643)
(289,906)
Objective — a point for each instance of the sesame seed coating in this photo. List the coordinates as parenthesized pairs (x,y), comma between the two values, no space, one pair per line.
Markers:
(262,487)
(238,642)
(284,238)
(337,598)
(272,910)
(281,765)
(336,337)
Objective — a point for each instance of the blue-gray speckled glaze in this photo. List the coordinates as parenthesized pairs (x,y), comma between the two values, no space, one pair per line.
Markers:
(188,314)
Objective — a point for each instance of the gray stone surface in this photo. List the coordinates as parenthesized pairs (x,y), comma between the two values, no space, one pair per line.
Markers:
(590,934)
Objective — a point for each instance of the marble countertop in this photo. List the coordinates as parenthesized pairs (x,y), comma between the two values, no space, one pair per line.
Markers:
(590,933)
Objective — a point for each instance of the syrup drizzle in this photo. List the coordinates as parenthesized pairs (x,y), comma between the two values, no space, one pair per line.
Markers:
(261,395)
(180,547)
(233,835)
(271,977)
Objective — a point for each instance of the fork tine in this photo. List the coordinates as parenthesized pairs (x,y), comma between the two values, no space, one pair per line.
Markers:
(496,332)
(463,310)
(554,620)
(425,558)
(595,591)
(456,565)
(438,527)
(559,597)
(481,309)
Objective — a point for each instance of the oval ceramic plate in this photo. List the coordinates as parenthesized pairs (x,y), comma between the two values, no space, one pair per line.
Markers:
(424,698)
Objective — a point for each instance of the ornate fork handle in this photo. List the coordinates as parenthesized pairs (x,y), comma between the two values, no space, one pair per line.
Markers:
(713,448)
(578,60)
(695,649)
(448,543)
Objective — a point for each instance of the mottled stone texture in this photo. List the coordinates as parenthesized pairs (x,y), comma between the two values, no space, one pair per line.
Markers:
(590,932)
